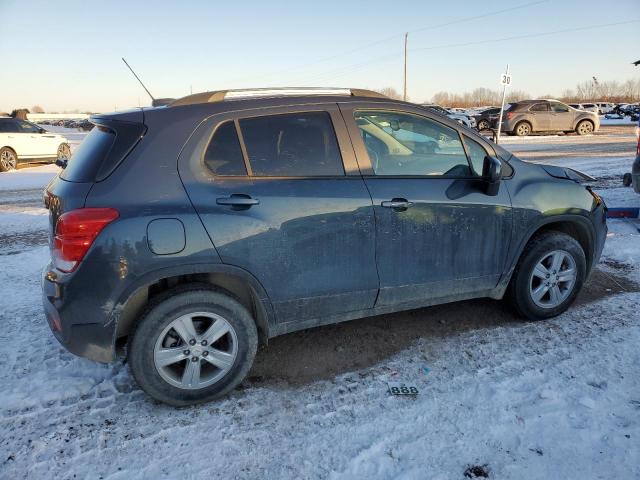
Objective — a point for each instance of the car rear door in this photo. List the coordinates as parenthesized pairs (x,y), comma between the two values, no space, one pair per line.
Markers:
(562,117)
(281,197)
(438,234)
(540,117)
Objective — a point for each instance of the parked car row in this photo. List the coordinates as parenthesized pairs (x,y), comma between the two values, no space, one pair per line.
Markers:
(454,114)
(82,124)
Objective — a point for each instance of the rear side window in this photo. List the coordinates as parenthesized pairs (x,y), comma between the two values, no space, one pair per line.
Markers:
(8,125)
(88,157)
(559,108)
(224,155)
(292,145)
(540,107)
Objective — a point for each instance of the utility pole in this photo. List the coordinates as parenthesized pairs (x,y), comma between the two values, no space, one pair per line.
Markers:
(404,94)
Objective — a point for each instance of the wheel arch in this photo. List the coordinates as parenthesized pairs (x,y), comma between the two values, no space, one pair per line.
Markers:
(234,281)
(576,226)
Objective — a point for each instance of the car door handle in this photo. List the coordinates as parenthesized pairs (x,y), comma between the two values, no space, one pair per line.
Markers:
(238,201)
(400,204)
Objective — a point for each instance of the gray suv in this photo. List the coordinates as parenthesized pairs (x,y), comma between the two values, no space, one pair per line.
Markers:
(194,232)
(535,116)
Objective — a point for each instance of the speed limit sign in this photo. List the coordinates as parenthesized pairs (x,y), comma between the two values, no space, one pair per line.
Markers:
(505,79)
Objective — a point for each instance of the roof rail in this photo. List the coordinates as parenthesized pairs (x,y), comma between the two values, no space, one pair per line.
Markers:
(246,93)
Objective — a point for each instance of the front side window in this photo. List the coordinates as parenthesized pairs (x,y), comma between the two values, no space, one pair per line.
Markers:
(407,144)
(292,145)
(559,108)
(476,153)
(540,107)
(27,127)
(224,155)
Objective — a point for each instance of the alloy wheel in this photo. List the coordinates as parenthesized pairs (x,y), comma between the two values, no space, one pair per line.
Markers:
(64,152)
(585,128)
(553,279)
(195,350)
(8,160)
(523,130)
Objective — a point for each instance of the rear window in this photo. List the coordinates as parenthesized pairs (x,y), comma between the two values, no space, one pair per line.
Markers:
(292,145)
(88,157)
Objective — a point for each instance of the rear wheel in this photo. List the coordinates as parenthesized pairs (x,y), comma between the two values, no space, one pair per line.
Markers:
(584,127)
(192,345)
(548,277)
(8,159)
(64,152)
(522,129)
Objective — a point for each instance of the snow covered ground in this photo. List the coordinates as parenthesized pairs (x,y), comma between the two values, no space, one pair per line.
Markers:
(543,400)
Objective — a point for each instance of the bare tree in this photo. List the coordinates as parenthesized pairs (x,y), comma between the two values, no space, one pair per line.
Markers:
(391,93)
(37,109)
(20,113)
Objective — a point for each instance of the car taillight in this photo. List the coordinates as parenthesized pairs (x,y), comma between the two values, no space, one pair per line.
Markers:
(509,115)
(638,135)
(75,232)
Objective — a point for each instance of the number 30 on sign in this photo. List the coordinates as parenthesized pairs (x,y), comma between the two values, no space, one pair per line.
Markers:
(397,388)
(505,79)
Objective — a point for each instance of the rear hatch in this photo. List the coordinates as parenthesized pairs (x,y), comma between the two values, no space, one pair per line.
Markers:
(103,149)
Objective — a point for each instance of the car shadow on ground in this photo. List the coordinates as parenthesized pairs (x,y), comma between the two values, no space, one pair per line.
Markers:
(324,352)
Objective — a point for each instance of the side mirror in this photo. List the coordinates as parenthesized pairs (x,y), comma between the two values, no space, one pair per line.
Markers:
(491,173)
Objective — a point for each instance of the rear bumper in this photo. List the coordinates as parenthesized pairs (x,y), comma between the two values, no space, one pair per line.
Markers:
(84,332)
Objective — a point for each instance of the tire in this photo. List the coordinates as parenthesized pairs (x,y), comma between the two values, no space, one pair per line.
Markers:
(522,129)
(8,159)
(584,127)
(526,280)
(64,152)
(171,383)
(627,180)
(483,125)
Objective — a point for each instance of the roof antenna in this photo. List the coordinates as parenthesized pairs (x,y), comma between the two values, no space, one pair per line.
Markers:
(154,102)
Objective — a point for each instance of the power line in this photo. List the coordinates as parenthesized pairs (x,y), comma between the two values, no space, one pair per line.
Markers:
(349,69)
(528,35)
(421,29)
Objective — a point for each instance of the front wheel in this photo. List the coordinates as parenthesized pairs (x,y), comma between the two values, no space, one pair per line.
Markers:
(585,127)
(192,345)
(548,277)
(8,159)
(483,125)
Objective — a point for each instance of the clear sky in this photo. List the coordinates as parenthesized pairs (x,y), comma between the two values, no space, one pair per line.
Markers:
(65,54)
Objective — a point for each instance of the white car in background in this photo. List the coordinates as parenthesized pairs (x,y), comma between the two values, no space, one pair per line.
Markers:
(591,107)
(461,118)
(25,142)
(605,107)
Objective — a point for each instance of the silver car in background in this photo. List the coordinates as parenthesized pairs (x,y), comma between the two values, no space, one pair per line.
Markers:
(534,116)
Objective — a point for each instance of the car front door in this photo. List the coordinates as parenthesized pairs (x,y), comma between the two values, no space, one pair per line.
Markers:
(281,197)
(561,117)
(540,116)
(438,234)
(37,144)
